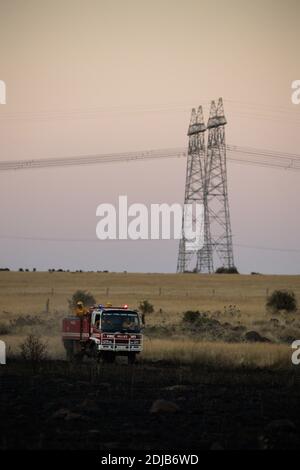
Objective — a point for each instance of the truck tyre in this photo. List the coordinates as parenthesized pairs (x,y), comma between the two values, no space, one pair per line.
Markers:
(108,357)
(69,347)
(131,358)
(93,351)
(79,357)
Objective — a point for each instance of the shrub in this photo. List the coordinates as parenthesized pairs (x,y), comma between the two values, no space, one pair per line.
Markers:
(282,300)
(232,310)
(25,320)
(33,349)
(191,316)
(201,322)
(146,308)
(86,298)
(223,270)
(4,329)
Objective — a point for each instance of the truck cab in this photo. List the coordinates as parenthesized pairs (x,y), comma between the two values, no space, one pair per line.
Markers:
(117,331)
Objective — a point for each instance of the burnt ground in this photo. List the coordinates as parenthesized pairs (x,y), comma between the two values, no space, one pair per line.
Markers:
(105,407)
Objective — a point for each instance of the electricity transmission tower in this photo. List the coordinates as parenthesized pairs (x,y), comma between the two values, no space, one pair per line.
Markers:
(216,187)
(194,186)
(207,168)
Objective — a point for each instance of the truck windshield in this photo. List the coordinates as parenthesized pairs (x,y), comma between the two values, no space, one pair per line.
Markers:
(119,321)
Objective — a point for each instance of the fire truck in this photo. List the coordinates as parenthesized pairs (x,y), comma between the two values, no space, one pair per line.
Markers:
(103,333)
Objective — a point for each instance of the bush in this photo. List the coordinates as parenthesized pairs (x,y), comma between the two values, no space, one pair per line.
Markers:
(232,310)
(191,316)
(4,329)
(25,320)
(146,308)
(200,322)
(282,300)
(33,349)
(223,270)
(86,298)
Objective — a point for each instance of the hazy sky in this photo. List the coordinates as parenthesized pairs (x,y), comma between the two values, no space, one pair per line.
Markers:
(94,76)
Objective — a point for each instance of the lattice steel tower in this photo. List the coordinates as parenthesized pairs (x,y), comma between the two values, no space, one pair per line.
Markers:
(194,188)
(206,183)
(216,187)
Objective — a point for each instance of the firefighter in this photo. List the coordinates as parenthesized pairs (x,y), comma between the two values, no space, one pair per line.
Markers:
(80,309)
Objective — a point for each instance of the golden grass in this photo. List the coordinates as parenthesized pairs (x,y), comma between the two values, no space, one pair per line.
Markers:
(171,294)
(55,348)
(27,293)
(218,353)
(187,351)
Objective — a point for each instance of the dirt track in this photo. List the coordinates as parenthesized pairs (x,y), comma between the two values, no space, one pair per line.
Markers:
(102,408)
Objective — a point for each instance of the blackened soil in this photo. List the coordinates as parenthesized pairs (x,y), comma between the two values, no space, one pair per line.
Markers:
(63,406)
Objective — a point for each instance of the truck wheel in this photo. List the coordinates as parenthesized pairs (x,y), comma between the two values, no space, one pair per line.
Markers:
(91,351)
(79,357)
(69,347)
(109,357)
(131,358)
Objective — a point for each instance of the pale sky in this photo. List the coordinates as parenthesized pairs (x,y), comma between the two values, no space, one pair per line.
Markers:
(93,76)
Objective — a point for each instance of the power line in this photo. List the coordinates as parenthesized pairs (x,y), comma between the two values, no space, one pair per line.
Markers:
(266,107)
(94,240)
(244,109)
(238,154)
(266,248)
(49,239)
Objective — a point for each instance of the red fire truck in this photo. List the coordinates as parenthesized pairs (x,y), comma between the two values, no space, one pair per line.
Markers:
(103,333)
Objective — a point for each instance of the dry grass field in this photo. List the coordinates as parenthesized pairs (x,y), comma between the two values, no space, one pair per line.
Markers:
(27,293)
(223,390)
(235,300)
